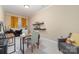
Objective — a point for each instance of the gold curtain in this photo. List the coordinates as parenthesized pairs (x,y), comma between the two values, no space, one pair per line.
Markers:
(14,22)
(24,24)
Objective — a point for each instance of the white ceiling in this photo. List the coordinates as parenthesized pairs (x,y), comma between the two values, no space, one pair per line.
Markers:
(21,10)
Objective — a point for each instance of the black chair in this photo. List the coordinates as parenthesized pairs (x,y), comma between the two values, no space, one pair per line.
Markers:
(18,33)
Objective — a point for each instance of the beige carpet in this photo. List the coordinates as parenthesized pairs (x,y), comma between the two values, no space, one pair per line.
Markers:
(47,46)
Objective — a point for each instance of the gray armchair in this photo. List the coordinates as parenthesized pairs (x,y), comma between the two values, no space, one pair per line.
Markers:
(67,48)
(34,40)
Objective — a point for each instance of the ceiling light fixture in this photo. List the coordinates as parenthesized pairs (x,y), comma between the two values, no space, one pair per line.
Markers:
(26,6)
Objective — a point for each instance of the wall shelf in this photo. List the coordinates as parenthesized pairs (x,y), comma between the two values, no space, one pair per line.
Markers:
(37,26)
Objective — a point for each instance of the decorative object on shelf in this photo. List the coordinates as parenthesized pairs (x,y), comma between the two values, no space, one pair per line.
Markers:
(26,6)
(37,26)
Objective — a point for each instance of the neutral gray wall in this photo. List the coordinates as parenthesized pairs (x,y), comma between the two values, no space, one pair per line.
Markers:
(58,20)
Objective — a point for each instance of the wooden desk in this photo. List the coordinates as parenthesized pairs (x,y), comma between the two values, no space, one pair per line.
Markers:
(22,42)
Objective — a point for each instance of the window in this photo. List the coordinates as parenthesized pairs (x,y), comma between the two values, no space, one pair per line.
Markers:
(14,22)
(23,20)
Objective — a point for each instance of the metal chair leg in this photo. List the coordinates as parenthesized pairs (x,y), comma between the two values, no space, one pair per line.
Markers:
(27,44)
(32,48)
(37,45)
